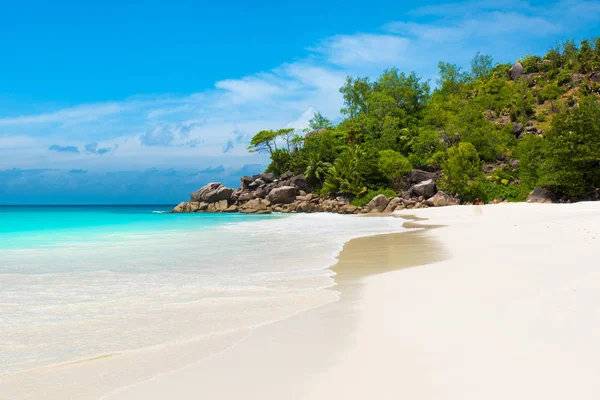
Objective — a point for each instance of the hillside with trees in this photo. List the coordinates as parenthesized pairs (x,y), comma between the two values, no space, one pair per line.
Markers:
(494,132)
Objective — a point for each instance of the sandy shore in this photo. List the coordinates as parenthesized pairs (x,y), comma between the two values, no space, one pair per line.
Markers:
(503,301)
(507,305)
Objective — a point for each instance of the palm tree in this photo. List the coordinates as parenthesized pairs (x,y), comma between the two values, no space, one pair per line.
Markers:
(343,175)
(317,168)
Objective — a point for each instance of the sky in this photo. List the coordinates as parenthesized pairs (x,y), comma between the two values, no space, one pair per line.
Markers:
(142,102)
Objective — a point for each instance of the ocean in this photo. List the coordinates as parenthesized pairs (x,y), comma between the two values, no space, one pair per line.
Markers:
(79,282)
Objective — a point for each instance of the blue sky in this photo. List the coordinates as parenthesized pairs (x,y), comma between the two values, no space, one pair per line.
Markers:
(143,102)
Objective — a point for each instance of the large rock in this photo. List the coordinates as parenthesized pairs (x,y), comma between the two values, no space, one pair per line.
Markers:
(299,181)
(425,189)
(348,209)
(212,193)
(540,195)
(378,204)
(236,194)
(516,71)
(595,76)
(223,193)
(260,192)
(306,206)
(182,207)
(245,196)
(418,175)
(245,182)
(257,183)
(517,129)
(200,194)
(282,195)
(266,177)
(221,205)
(441,199)
(255,206)
(393,205)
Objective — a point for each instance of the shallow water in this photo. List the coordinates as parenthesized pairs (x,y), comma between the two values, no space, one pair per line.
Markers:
(82,282)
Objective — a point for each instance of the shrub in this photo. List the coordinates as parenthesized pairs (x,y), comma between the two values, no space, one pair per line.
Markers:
(343,175)
(551,91)
(572,164)
(367,167)
(530,153)
(280,162)
(530,64)
(423,146)
(393,165)
(489,191)
(542,116)
(461,168)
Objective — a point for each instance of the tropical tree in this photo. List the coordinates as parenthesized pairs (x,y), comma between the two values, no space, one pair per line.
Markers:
(481,66)
(263,141)
(318,121)
(317,168)
(266,140)
(572,163)
(343,175)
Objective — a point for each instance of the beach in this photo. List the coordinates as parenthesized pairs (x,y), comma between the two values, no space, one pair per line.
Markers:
(508,310)
(496,301)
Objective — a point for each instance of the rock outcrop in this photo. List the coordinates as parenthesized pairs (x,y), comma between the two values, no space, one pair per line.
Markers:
(265,193)
(418,175)
(516,71)
(282,195)
(378,204)
(541,195)
(256,206)
(211,193)
(441,199)
(424,189)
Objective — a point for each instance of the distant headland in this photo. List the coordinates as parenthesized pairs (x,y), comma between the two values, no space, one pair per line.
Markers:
(499,132)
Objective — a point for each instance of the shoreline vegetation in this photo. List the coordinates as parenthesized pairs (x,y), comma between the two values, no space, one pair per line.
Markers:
(499,132)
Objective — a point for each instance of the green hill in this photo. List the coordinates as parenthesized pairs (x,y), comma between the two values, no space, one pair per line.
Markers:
(496,131)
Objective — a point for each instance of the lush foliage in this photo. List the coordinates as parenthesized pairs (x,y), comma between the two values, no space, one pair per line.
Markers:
(461,169)
(489,135)
(572,162)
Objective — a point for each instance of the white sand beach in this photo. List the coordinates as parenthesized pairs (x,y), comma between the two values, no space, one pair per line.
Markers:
(507,306)
(500,301)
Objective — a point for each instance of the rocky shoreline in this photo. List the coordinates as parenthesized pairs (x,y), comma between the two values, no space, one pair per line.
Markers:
(264,194)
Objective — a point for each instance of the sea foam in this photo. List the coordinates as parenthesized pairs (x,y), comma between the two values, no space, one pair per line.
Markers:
(135,291)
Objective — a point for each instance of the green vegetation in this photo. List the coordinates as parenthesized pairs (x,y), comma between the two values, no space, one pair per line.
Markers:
(489,135)
(461,169)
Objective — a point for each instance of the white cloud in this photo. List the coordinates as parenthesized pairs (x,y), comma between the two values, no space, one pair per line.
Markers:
(73,115)
(252,88)
(489,25)
(364,49)
(213,127)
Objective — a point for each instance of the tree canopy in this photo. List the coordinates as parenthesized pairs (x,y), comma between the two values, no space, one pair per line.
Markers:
(487,134)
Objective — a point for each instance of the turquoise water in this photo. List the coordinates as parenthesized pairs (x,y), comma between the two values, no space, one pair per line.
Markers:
(35,226)
(79,282)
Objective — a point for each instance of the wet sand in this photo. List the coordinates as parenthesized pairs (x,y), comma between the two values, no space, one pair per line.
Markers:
(281,360)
